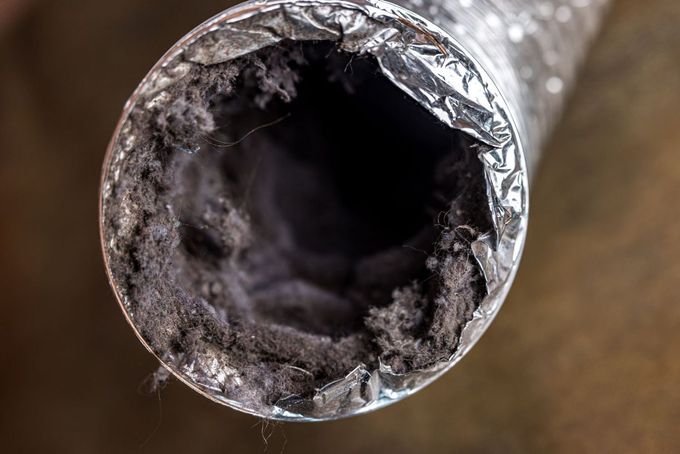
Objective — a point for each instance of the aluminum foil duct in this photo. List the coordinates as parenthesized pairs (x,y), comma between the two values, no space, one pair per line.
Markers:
(497,70)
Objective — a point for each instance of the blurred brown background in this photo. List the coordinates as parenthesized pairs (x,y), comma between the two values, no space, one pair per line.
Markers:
(584,357)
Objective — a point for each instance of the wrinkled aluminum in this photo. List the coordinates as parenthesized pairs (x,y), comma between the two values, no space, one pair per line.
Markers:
(494,69)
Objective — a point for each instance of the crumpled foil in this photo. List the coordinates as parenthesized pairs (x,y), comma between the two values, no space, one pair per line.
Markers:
(497,70)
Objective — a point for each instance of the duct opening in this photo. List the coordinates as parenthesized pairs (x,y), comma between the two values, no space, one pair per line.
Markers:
(295,215)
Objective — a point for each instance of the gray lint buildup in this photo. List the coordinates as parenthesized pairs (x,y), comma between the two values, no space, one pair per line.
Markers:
(295,214)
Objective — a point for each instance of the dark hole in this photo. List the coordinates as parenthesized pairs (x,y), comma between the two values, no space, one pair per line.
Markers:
(375,152)
(371,149)
(340,184)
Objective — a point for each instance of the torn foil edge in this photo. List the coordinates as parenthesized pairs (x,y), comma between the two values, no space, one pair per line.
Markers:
(432,68)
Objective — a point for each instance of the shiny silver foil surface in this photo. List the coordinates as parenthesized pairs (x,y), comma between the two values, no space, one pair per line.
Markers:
(497,70)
